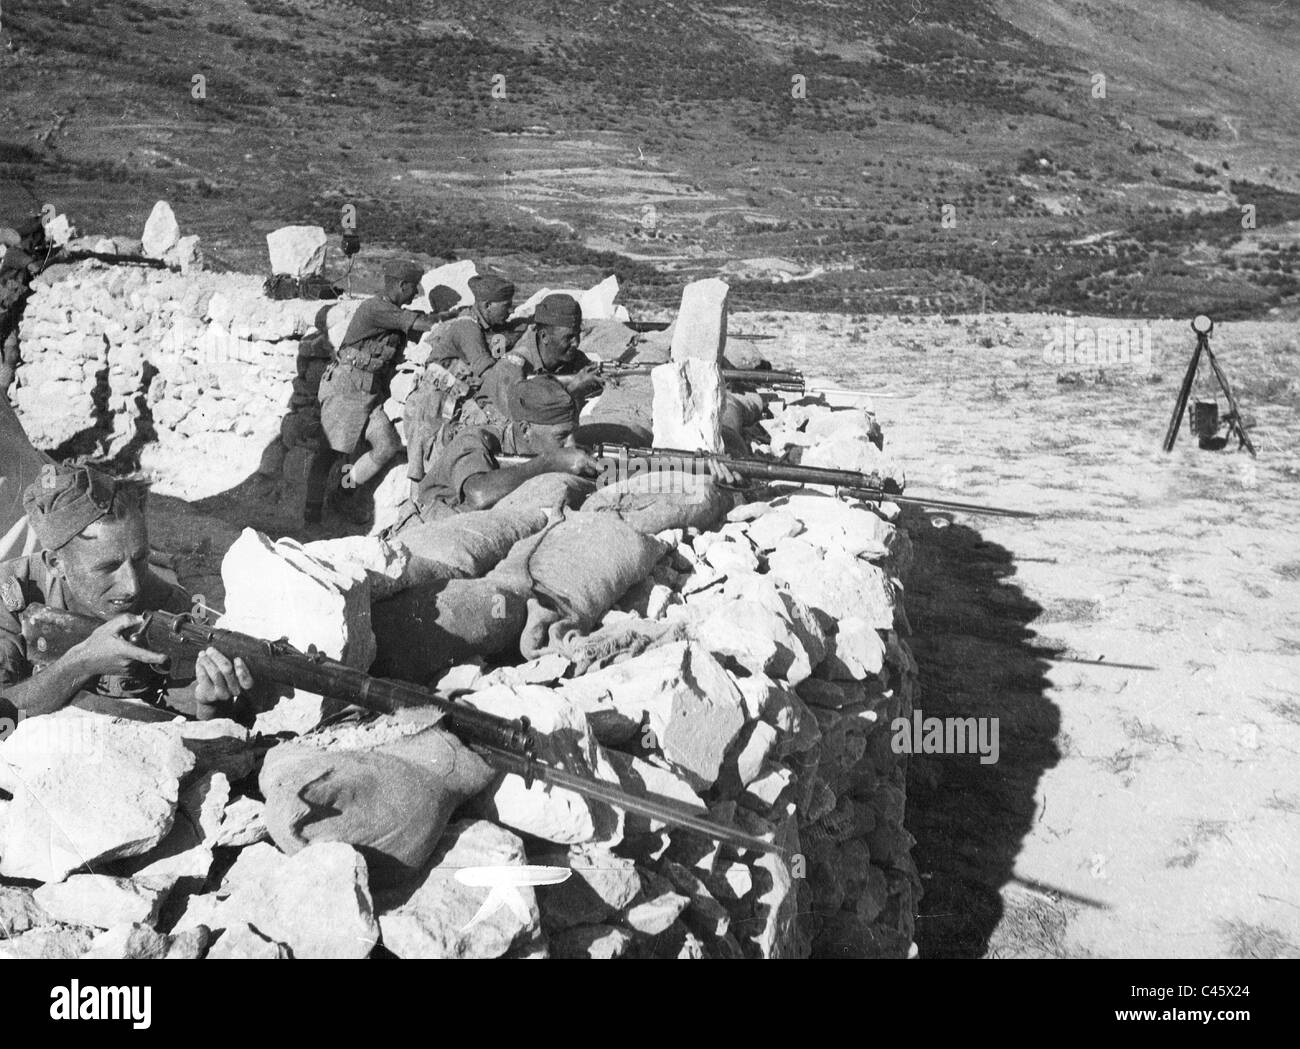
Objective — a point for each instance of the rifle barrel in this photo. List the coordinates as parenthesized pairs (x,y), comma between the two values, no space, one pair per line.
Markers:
(506,745)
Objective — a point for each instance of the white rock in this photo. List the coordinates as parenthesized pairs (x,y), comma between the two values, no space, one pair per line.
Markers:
(700,333)
(437,920)
(185,254)
(19,912)
(242,823)
(58,230)
(767,531)
(298,251)
(688,401)
(54,942)
(755,744)
(98,900)
(857,652)
(138,942)
(731,558)
(454,275)
(317,902)
(278,590)
(640,777)
(383,563)
(242,941)
(766,790)
(694,710)
(161,231)
(86,789)
(562,736)
(753,636)
(839,585)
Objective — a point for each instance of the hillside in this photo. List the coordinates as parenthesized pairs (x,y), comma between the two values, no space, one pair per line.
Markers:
(661,140)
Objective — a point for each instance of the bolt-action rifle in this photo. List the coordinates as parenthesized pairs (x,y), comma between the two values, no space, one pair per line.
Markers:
(508,746)
(627,461)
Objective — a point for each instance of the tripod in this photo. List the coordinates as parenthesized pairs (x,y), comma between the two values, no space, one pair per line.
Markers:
(1202,325)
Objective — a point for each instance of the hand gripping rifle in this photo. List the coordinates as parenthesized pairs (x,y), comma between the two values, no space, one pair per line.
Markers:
(508,746)
(629,461)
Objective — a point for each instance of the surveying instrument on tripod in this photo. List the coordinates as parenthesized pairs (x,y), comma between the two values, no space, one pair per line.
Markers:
(1203,418)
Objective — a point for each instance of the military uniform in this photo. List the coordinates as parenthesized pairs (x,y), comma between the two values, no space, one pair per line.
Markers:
(356,384)
(521,362)
(32,580)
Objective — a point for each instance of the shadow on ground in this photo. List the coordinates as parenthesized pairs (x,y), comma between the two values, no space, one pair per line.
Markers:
(972,641)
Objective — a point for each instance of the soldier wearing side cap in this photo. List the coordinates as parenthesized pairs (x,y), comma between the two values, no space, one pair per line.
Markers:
(446,396)
(466,475)
(549,346)
(95,561)
(356,384)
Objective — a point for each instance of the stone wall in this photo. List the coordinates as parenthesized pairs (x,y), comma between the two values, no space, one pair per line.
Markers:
(775,665)
(195,371)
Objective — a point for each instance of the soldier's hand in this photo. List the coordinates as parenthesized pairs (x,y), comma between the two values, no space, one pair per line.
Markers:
(584,382)
(110,649)
(217,681)
(572,461)
(724,475)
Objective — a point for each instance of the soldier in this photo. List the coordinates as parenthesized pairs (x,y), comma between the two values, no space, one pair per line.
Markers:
(19,266)
(469,336)
(461,351)
(465,474)
(355,385)
(95,561)
(548,346)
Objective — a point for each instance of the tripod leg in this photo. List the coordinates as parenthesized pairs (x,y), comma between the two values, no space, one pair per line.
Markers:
(1184,392)
(1232,403)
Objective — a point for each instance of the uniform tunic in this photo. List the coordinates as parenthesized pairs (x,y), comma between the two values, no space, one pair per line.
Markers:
(356,384)
(31,580)
(521,362)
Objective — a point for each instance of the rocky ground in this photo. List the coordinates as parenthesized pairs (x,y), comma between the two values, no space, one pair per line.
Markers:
(1144,803)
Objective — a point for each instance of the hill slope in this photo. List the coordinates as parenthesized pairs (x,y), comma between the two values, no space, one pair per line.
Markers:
(908,154)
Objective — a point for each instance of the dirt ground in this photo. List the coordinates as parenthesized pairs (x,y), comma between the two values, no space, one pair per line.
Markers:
(1139,642)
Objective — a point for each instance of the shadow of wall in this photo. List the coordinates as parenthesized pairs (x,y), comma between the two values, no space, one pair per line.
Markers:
(974,646)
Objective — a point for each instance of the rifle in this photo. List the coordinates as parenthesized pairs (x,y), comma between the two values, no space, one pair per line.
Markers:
(508,746)
(791,382)
(865,486)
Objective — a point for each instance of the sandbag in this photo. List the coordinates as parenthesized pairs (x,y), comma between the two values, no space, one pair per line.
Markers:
(547,492)
(468,545)
(562,580)
(625,411)
(389,801)
(578,569)
(655,502)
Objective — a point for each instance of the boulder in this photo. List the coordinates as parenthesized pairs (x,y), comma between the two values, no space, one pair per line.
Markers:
(55,942)
(19,912)
(752,636)
(385,564)
(449,913)
(688,405)
(454,275)
(694,711)
(98,900)
(857,652)
(836,583)
(138,942)
(242,941)
(660,906)
(601,885)
(86,789)
(317,902)
(700,333)
(769,530)
(298,251)
(591,941)
(563,739)
(161,231)
(640,777)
